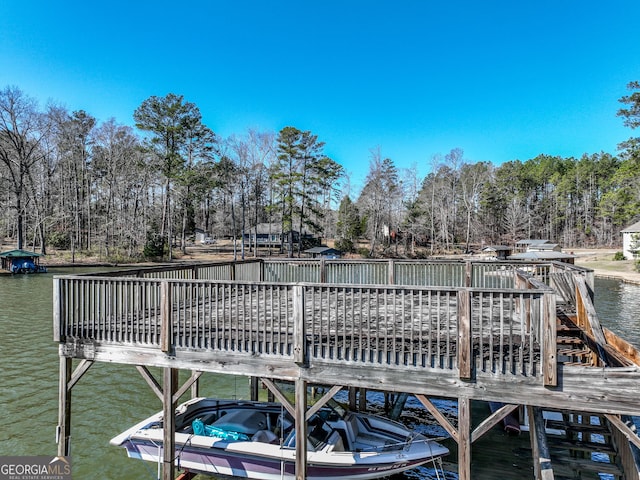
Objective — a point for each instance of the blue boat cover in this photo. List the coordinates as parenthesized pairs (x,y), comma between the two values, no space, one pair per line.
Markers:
(199,428)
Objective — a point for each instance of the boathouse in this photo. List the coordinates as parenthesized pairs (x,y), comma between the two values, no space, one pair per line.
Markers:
(519,333)
(21,261)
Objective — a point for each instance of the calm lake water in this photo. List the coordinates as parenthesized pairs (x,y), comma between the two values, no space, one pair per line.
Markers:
(110,398)
(618,308)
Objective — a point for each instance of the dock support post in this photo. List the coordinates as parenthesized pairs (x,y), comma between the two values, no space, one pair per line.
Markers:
(254,388)
(170,384)
(464,438)
(63,433)
(541,458)
(352,398)
(301,429)
(362,400)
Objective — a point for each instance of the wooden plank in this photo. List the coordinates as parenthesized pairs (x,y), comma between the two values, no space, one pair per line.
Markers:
(170,380)
(468,274)
(299,336)
(80,370)
(151,381)
(57,314)
(440,418)
(166,317)
(464,438)
(541,456)
(195,386)
(628,456)
(280,396)
(629,351)
(301,429)
(464,335)
(63,430)
(549,358)
(186,386)
(594,389)
(325,398)
(493,419)
(598,390)
(591,317)
(624,429)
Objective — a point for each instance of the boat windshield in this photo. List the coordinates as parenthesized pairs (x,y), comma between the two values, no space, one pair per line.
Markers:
(318,432)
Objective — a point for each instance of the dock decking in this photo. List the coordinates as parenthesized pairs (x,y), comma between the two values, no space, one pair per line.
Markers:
(520,333)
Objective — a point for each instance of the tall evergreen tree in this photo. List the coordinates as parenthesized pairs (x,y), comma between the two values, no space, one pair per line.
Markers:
(301,172)
(177,131)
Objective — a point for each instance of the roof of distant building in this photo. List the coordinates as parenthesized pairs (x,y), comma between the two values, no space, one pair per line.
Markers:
(545,246)
(273,228)
(635,228)
(531,241)
(540,256)
(20,254)
(323,250)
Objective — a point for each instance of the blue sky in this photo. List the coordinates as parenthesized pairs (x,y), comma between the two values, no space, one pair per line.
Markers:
(502,80)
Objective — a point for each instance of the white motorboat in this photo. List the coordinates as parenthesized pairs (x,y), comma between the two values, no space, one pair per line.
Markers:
(257,440)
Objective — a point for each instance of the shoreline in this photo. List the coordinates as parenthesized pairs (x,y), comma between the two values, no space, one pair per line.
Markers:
(604,266)
(623,277)
(599,260)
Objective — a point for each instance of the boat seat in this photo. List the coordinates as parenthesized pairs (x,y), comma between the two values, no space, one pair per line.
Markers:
(351,424)
(336,441)
(265,436)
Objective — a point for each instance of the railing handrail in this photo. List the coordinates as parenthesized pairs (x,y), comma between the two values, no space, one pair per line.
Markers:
(117,309)
(390,276)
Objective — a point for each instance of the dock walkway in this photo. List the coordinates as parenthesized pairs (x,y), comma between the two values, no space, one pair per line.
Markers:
(521,334)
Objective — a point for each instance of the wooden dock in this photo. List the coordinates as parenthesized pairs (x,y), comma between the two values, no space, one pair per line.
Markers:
(517,333)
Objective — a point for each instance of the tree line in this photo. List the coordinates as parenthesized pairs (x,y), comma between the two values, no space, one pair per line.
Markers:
(69,181)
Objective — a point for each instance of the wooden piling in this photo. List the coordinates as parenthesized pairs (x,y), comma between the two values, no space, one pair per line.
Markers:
(63,433)
(170,385)
(301,429)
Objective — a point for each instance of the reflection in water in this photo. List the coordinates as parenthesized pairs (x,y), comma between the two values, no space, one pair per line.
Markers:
(618,308)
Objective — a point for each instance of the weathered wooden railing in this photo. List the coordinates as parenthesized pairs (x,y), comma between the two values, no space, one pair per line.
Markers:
(440,273)
(464,330)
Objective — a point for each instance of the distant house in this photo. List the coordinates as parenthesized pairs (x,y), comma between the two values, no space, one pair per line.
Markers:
(498,252)
(544,247)
(323,252)
(540,250)
(271,235)
(631,241)
(544,256)
(527,244)
(266,235)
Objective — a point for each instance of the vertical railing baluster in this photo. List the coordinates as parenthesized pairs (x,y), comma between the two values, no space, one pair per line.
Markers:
(548,340)
(465,347)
